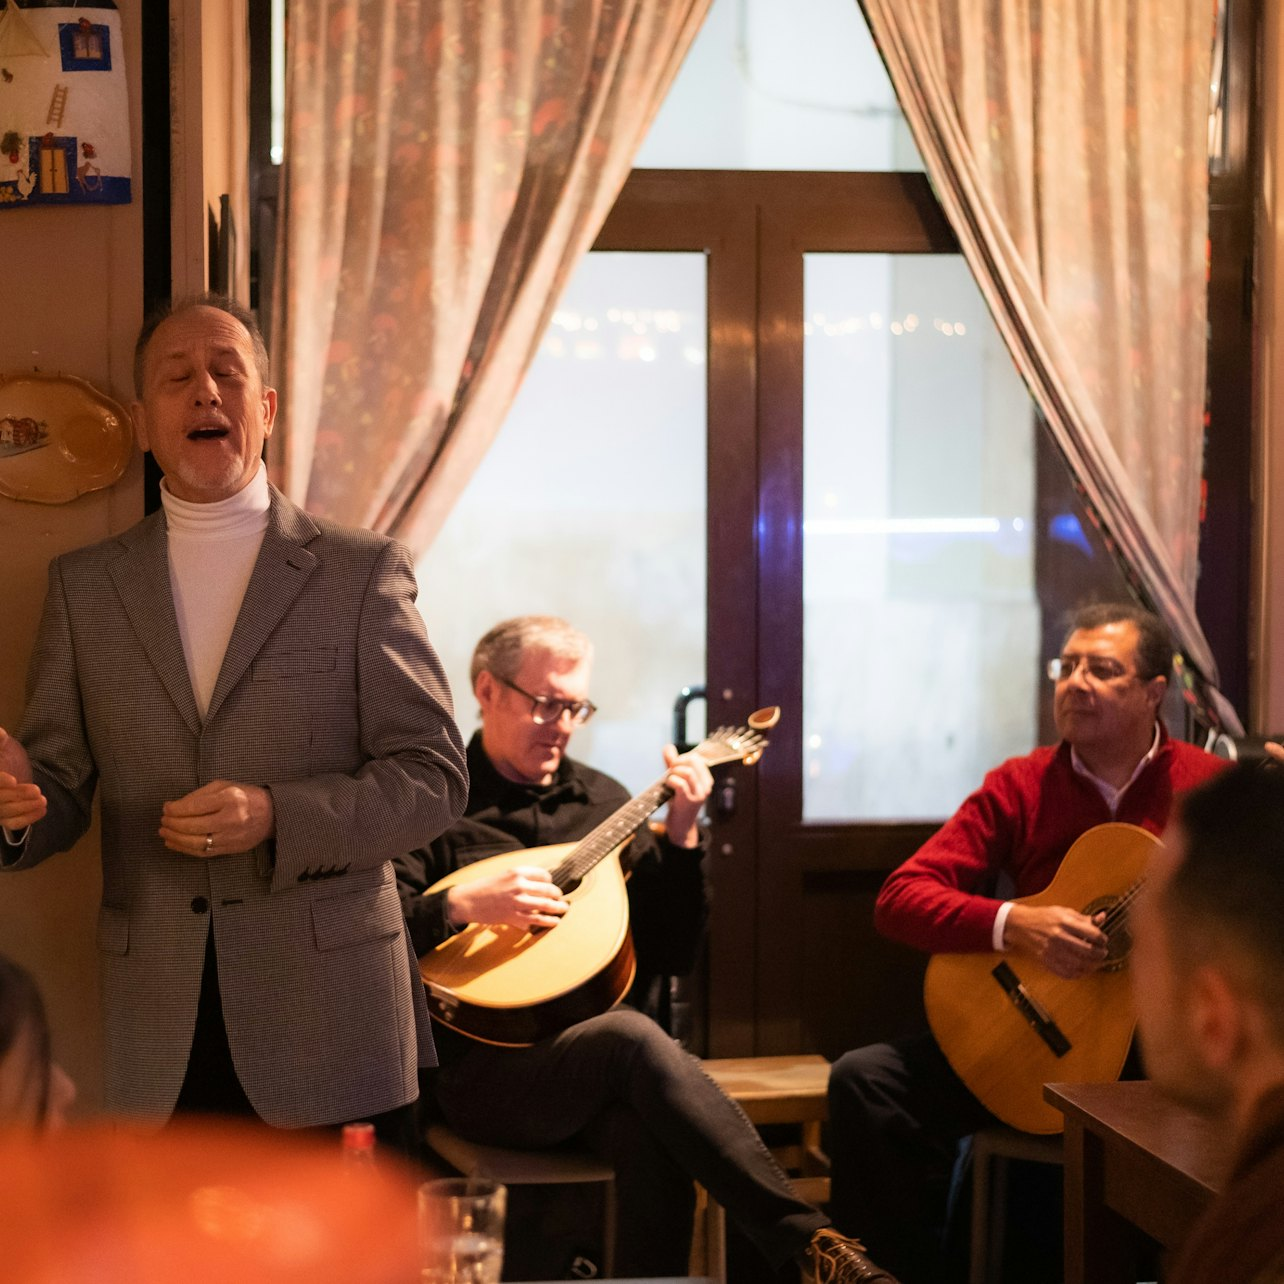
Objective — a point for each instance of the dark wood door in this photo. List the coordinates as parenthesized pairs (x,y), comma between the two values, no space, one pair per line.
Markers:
(793,961)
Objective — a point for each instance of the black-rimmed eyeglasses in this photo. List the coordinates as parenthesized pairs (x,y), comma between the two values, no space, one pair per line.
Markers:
(548,709)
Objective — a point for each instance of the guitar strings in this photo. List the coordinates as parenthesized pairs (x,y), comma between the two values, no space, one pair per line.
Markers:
(610,834)
(1117,914)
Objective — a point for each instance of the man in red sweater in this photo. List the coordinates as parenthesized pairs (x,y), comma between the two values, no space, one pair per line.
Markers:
(898,1110)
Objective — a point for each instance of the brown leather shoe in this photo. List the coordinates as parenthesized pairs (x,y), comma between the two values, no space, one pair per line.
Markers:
(835,1259)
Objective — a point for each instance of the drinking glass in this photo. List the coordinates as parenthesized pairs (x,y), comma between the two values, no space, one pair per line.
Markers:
(461,1230)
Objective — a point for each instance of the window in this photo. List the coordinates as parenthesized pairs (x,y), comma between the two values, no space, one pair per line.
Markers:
(591,504)
(772,86)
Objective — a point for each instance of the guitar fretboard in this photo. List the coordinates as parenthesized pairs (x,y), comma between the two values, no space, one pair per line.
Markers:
(726,744)
(609,835)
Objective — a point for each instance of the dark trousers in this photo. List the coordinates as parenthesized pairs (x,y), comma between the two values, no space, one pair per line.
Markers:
(211,1085)
(622,1088)
(896,1114)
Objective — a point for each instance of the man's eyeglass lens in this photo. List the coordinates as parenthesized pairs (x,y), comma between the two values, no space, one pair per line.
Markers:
(1099,668)
(547,709)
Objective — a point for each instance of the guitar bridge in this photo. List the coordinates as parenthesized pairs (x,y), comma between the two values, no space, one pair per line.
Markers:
(442,1003)
(1035,1013)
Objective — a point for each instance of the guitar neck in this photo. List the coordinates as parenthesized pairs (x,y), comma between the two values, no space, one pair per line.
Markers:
(603,840)
(726,744)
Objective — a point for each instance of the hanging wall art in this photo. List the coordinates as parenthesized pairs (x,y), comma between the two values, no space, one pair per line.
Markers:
(64,110)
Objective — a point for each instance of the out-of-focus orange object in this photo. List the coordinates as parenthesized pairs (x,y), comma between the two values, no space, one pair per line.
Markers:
(198,1203)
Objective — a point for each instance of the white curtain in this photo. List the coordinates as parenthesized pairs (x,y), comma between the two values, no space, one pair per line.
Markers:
(1067,141)
(448,162)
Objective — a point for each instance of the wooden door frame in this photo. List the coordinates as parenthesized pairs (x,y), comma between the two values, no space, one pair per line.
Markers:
(664,211)
(1226,582)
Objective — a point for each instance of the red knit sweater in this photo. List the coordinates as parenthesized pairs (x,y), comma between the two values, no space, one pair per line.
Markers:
(1021,822)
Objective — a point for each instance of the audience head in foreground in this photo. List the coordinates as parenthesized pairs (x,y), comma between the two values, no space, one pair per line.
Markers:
(1209,962)
(34,1090)
(1208,970)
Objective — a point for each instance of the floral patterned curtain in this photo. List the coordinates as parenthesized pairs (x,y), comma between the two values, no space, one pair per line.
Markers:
(1067,140)
(447,164)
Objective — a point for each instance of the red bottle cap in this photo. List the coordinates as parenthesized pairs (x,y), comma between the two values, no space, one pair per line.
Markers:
(358,1136)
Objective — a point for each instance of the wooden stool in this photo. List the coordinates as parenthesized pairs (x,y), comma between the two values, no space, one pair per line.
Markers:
(774,1090)
(991,1150)
(532,1168)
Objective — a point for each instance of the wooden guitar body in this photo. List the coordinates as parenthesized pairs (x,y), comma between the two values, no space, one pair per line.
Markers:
(989,1029)
(508,986)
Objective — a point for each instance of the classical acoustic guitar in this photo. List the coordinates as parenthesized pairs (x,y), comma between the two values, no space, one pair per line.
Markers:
(1008,1025)
(510,986)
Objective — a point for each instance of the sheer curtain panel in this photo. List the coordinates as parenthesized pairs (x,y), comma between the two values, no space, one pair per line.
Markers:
(447,163)
(1067,140)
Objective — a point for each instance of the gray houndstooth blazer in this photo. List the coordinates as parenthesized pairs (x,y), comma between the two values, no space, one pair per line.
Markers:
(331,695)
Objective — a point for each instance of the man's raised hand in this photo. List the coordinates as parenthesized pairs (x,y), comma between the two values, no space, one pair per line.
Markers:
(692,782)
(21,801)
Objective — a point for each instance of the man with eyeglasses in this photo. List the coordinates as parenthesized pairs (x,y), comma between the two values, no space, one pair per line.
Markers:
(616,1083)
(898,1110)
(531,679)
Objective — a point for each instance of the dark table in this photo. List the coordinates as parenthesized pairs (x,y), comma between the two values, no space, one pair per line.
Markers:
(1134,1162)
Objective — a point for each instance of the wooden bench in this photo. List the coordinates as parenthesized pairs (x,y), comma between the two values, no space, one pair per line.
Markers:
(774,1090)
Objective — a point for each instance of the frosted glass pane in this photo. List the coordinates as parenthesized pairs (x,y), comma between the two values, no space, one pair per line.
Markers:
(591,505)
(781,84)
(921,623)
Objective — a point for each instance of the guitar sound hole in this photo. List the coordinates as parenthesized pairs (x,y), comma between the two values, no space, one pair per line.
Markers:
(1118,938)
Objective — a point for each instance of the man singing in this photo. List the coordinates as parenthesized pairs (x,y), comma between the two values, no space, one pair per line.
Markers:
(254,692)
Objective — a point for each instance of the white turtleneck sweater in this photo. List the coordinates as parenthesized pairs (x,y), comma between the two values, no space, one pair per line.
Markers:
(212,551)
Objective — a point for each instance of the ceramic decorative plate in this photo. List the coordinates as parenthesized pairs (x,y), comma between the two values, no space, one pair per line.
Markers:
(59,437)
